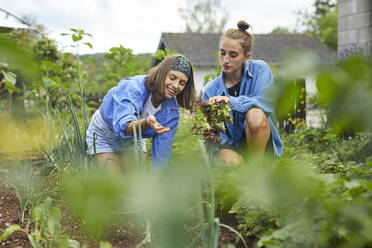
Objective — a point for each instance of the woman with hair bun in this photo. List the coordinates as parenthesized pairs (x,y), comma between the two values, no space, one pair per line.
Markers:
(244,84)
(155,98)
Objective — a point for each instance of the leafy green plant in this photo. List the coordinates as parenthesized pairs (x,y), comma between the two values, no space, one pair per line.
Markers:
(8,80)
(209,120)
(77,35)
(122,65)
(47,229)
(161,54)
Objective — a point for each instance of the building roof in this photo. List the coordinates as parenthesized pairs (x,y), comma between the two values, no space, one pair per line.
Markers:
(201,49)
(5,23)
(10,21)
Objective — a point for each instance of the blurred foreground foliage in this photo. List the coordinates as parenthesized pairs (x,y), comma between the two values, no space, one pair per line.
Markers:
(317,195)
(344,88)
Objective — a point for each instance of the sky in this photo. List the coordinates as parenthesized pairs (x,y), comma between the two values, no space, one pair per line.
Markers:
(138,24)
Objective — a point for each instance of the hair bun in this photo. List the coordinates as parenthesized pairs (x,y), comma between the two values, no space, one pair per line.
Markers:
(243,26)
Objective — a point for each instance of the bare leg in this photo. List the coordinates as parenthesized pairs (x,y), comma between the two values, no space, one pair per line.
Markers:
(129,162)
(117,163)
(257,131)
(229,157)
(109,161)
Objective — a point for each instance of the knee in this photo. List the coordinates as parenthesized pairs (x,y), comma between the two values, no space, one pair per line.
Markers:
(255,121)
(229,157)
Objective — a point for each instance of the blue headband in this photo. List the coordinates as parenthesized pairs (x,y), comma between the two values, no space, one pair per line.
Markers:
(183,65)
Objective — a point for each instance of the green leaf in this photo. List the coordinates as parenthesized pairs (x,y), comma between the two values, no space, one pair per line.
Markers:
(37,213)
(104,244)
(9,231)
(63,242)
(73,243)
(10,77)
(75,37)
(47,82)
(3,65)
(18,58)
(88,44)
(34,240)
(299,63)
(93,103)
(11,87)
(66,55)
(54,219)
(352,184)
(40,213)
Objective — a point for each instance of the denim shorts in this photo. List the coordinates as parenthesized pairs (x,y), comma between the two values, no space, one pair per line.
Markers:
(100,138)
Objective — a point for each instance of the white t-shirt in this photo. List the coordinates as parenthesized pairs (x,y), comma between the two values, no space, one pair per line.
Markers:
(148,109)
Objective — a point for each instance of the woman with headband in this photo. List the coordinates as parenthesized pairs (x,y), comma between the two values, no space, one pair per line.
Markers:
(156,98)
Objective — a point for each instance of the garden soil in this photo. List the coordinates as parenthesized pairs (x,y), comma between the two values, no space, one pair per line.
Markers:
(126,236)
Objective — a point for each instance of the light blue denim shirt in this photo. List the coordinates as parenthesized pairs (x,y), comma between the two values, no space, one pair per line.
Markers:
(122,104)
(257,79)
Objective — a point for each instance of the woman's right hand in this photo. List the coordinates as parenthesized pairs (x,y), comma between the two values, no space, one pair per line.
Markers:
(154,124)
(216,99)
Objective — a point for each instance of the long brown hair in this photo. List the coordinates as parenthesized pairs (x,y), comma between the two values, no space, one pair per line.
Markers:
(156,78)
(245,38)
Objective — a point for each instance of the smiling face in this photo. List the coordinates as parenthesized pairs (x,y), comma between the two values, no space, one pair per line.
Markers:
(175,82)
(232,55)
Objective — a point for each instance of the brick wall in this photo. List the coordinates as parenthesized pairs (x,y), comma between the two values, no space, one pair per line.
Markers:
(354,26)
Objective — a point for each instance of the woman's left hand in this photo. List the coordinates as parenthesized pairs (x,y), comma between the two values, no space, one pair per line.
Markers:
(154,124)
(216,99)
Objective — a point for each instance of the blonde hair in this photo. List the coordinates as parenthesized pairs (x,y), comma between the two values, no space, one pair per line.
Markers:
(245,38)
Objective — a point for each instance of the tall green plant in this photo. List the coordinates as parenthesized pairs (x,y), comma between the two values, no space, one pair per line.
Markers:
(80,135)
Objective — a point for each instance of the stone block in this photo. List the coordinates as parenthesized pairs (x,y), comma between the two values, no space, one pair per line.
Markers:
(347,37)
(342,23)
(365,35)
(358,20)
(347,8)
(364,5)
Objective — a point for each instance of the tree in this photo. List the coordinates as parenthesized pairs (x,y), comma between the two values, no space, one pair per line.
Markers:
(322,7)
(204,16)
(280,30)
(322,22)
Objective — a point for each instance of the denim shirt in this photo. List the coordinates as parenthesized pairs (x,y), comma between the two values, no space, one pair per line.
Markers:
(257,80)
(123,103)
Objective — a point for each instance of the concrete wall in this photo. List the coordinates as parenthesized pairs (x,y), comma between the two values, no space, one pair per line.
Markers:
(199,74)
(354,27)
(315,117)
